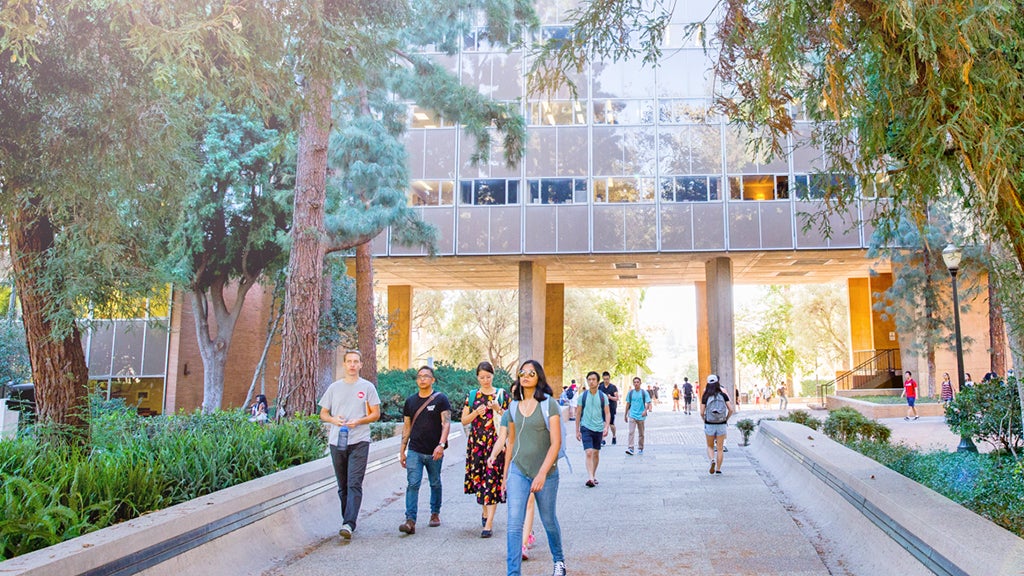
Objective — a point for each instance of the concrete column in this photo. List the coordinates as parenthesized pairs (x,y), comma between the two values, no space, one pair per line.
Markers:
(532,296)
(703,346)
(554,335)
(721,334)
(400,333)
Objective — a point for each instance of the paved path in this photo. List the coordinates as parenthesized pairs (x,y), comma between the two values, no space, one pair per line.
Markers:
(660,513)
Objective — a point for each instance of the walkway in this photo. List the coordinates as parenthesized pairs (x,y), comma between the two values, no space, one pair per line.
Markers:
(660,513)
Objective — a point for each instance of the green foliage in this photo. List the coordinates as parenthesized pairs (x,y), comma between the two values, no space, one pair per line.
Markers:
(988,411)
(764,336)
(746,427)
(52,491)
(632,350)
(382,430)
(890,399)
(14,362)
(801,417)
(809,388)
(846,425)
(394,386)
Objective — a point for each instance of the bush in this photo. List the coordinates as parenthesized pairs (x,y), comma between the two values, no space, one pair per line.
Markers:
(394,386)
(846,425)
(988,411)
(746,427)
(802,417)
(382,430)
(809,388)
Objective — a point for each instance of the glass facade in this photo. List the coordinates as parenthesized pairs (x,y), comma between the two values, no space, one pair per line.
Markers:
(633,159)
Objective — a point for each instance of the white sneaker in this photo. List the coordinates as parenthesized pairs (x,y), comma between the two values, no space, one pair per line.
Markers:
(345,532)
(559,569)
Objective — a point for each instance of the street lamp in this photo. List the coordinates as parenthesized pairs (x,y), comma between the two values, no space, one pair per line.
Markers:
(951,255)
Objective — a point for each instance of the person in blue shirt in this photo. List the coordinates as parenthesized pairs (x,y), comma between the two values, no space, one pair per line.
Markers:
(638,405)
(593,417)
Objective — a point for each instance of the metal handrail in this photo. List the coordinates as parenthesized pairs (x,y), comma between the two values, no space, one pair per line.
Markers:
(879,360)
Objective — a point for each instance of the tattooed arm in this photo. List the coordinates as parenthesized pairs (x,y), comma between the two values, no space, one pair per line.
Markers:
(446,425)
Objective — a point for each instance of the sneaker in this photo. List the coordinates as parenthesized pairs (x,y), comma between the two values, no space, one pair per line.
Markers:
(629,451)
(559,569)
(641,452)
(613,440)
(526,553)
(915,417)
(486,533)
(530,540)
(407,527)
(345,532)
(435,520)
(907,418)
(718,471)
(724,449)
(712,469)
(603,442)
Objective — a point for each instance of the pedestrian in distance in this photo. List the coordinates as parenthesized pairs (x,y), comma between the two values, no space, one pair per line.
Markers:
(675,397)
(481,418)
(349,405)
(687,396)
(910,393)
(530,463)
(783,399)
(946,390)
(715,410)
(638,406)
(968,381)
(592,417)
(612,392)
(258,410)
(426,420)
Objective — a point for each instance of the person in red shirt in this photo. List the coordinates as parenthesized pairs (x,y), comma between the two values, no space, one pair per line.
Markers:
(910,393)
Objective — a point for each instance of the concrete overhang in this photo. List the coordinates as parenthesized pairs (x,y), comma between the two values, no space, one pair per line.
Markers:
(623,270)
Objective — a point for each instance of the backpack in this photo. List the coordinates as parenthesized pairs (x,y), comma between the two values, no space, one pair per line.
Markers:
(569,393)
(716,411)
(583,401)
(545,411)
(498,396)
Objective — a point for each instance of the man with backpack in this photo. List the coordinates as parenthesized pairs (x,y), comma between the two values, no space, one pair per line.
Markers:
(715,409)
(638,405)
(592,422)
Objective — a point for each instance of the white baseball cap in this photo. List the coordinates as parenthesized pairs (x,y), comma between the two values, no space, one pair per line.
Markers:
(712,379)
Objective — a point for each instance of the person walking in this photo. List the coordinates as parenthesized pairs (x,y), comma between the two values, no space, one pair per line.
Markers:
(715,409)
(675,397)
(592,425)
(783,399)
(638,405)
(530,463)
(427,418)
(349,405)
(687,396)
(612,392)
(910,393)
(946,389)
(481,417)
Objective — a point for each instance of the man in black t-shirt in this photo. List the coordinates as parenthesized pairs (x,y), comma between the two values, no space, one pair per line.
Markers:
(612,393)
(687,396)
(427,419)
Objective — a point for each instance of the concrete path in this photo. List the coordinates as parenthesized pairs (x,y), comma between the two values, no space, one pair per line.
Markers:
(659,513)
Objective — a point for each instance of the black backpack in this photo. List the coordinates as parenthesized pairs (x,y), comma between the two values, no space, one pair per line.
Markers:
(583,401)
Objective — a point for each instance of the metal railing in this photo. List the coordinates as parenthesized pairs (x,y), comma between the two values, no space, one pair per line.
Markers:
(870,363)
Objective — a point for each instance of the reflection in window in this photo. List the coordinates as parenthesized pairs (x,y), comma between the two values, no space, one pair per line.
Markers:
(558,191)
(418,117)
(690,188)
(685,111)
(881,187)
(623,189)
(557,34)
(759,187)
(481,40)
(489,191)
(432,193)
(821,185)
(610,111)
(556,113)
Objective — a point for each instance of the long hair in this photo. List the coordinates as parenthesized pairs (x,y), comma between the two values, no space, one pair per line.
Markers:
(543,390)
(484,367)
(710,390)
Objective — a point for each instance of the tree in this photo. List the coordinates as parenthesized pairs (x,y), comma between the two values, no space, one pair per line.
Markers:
(92,155)
(764,337)
(589,341)
(632,350)
(480,325)
(227,236)
(821,331)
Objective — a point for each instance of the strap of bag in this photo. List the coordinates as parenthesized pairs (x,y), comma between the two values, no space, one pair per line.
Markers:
(422,406)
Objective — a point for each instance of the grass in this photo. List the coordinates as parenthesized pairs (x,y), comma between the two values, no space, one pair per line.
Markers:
(51,492)
(896,399)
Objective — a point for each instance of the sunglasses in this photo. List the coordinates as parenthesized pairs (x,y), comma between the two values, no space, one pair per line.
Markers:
(524,373)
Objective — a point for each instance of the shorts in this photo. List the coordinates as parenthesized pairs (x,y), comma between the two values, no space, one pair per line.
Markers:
(611,411)
(688,399)
(591,439)
(713,430)
(911,400)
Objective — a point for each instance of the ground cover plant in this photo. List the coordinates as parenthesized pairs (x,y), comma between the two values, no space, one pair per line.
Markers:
(882,399)
(51,491)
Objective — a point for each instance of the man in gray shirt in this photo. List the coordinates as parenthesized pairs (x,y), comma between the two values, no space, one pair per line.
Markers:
(349,405)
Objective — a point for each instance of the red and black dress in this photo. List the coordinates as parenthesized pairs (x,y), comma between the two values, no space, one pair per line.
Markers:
(480,480)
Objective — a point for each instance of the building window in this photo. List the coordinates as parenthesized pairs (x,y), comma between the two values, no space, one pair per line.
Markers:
(691,189)
(558,191)
(418,117)
(432,193)
(759,187)
(556,113)
(623,189)
(618,111)
(685,111)
(489,191)
(821,185)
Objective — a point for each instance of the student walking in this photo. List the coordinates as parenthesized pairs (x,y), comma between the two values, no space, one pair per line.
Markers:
(612,392)
(910,393)
(783,399)
(482,415)
(715,409)
(592,418)
(947,389)
(427,418)
(675,397)
(349,405)
(530,466)
(638,405)
(687,396)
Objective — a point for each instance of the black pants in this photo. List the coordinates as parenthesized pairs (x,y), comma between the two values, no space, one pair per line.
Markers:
(349,470)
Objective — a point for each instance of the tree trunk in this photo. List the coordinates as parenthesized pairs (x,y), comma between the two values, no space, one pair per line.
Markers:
(365,325)
(59,370)
(214,349)
(300,352)
(996,330)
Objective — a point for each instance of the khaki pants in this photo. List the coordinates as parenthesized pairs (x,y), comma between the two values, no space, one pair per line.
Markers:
(633,426)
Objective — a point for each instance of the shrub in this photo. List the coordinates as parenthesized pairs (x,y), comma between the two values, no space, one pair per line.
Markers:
(802,417)
(846,425)
(988,411)
(382,430)
(746,427)
(394,386)
(809,388)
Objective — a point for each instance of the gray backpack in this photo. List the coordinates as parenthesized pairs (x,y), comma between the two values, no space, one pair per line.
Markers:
(716,411)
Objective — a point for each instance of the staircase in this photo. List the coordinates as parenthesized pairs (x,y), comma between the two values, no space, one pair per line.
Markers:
(875,369)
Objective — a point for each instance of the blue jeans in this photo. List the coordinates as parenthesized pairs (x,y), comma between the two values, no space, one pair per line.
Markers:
(415,462)
(349,470)
(518,492)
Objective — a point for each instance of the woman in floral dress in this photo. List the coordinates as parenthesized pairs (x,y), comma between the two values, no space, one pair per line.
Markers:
(480,417)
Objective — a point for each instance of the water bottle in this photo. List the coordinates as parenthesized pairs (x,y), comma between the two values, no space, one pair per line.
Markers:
(343,437)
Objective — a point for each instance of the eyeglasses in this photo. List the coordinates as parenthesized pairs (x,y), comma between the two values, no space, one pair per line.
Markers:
(524,373)
(423,376)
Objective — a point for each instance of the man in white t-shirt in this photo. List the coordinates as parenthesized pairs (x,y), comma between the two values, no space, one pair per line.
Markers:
(349,405)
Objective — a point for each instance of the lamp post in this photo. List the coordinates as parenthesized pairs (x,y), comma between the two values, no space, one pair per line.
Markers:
(951,255)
